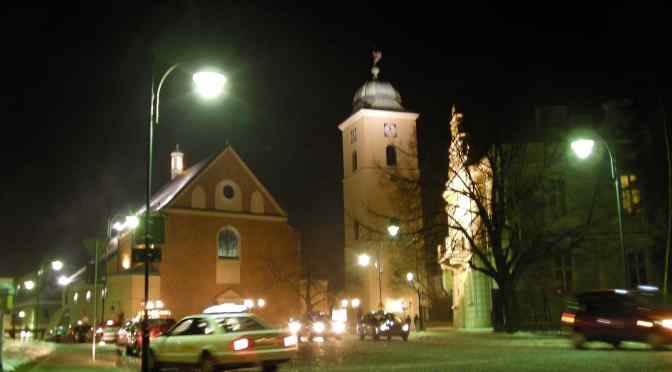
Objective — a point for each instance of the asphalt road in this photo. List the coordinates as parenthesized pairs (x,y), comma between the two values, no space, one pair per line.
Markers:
(438,350)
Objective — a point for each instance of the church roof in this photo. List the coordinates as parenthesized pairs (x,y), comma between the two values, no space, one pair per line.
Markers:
(170,190)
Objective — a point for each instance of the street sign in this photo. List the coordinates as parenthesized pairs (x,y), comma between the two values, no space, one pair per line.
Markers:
(156,230)
(141,255)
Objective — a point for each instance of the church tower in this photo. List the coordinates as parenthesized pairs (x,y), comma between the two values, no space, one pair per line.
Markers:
(379,144)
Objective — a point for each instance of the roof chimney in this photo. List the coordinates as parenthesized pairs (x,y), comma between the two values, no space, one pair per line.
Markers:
(176,162)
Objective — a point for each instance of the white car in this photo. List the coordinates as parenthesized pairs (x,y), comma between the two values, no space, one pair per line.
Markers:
(219,339)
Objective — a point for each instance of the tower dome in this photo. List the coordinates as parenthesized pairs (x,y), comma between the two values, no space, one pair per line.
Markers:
(377,94)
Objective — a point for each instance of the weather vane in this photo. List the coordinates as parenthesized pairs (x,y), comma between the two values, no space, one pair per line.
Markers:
(377,55)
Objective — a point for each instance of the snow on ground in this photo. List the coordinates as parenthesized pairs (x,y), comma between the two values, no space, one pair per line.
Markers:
(16,353)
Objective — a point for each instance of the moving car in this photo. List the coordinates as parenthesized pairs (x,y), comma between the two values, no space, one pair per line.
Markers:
(81,332)
(316,327)
(619,315)
(380,324)
(223,337)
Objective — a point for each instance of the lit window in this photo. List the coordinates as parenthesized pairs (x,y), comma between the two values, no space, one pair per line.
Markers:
(391,156)
(75,297)
(354,161)
(631,197)
(88,296)
(228,244)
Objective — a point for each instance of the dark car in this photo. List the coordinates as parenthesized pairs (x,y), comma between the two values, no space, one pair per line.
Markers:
(380,324)
(614,316)
(80,333)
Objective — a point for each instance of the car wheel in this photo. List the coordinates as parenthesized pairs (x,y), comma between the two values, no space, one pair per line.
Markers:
(578,340)
(405,336)
(389,337)
(269,368)
(656,341)
(207,363)
(616,344)
(376,336)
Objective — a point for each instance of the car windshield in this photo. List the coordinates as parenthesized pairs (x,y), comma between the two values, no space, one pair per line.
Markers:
(239,324)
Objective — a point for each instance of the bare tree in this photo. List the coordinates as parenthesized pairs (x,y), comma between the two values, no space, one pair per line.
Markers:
(501,211)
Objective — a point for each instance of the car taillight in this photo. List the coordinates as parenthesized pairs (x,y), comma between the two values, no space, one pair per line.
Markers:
(289,341)
(242,344)
(568,318)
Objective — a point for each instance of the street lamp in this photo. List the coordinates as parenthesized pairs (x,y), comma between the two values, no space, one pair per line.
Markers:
(209,84)
(410,278)
(583,147)
(56,265)
(364,259)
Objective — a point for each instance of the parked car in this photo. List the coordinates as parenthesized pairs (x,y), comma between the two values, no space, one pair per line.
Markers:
(156,328)
(223,337)
(380,324)
(124,335)
(619,315)
(80,332)
(107,332)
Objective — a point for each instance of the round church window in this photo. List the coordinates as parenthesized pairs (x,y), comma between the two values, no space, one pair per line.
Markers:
(228,192)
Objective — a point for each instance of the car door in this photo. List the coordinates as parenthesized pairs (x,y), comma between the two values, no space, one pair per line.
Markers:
(196,339)
(169,348)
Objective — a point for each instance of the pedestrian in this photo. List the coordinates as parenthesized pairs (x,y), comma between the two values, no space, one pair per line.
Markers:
(408,320)
(416,321)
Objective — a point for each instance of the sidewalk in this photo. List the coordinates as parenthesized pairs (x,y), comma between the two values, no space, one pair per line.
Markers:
(18,353)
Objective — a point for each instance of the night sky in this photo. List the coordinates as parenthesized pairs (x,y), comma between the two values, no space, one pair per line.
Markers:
(76,85)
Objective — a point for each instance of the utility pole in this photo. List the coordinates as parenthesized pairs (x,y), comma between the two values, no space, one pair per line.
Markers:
(95,302)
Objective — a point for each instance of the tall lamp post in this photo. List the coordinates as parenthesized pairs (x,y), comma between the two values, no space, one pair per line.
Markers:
(55,266)
(415,284)
(209,84)
(364,260)
(583,147)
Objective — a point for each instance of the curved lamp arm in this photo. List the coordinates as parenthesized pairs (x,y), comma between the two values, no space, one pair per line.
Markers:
(158,90)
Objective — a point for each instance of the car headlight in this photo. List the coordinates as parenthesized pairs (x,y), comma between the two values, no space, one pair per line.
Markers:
(338,327)
(384,327)
(294,327)
(318,327)
(404,327)
(99,330)
(666,323)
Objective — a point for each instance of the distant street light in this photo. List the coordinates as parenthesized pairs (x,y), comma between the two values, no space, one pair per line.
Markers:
(363,260)
(583,147)
(29,285)
(409,276)
(132,222)
(209,84)
(57,265)
(355,303)
(63,280)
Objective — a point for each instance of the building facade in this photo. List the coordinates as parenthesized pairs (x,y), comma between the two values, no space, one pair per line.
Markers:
(226,240)
(379,144)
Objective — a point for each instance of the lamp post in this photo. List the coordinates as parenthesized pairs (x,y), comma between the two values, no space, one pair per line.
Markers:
(55,266)
(209,84)
(410,278)
(364,259)
(583,147)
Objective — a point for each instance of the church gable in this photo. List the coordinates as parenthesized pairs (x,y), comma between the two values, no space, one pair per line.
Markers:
(228,185)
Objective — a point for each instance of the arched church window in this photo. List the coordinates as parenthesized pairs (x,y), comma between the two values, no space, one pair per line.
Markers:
(229,244)
(354,161)
(391,155)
